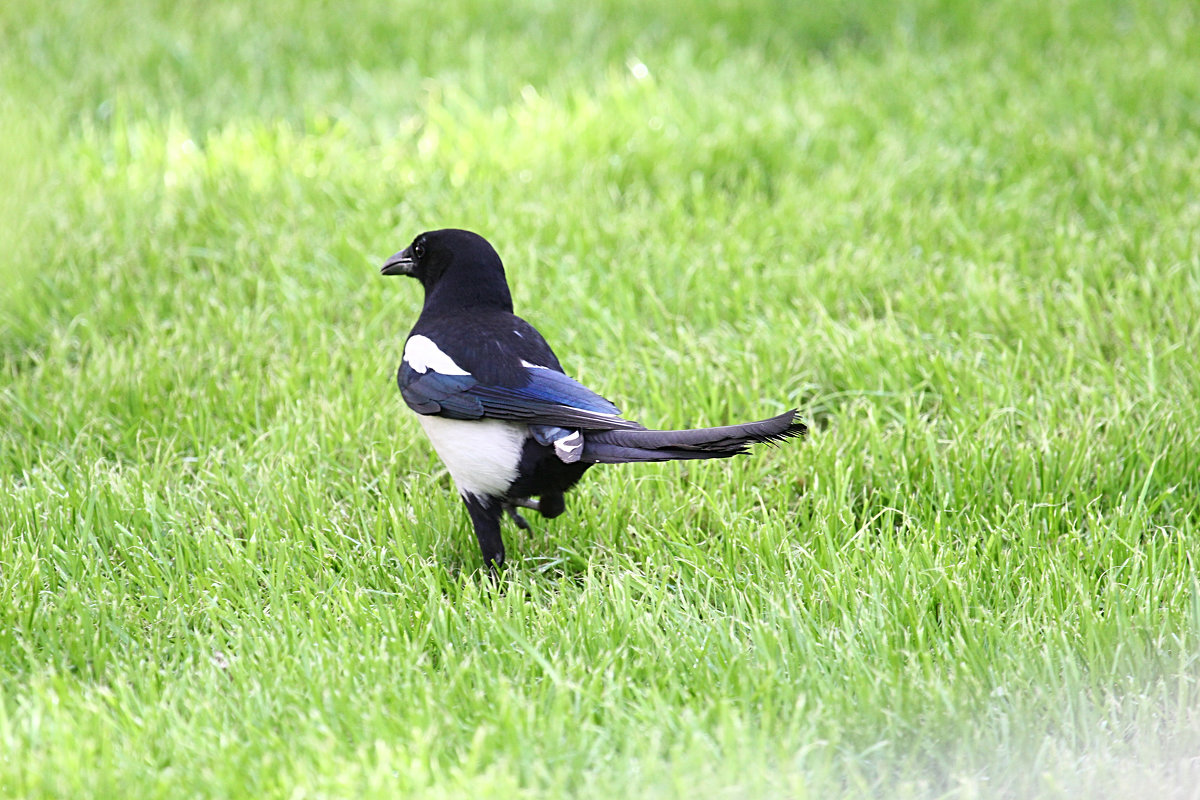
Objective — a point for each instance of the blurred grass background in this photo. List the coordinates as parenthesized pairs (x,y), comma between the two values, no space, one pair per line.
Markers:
(961,237)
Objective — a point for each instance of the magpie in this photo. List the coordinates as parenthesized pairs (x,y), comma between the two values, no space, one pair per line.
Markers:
(494,401)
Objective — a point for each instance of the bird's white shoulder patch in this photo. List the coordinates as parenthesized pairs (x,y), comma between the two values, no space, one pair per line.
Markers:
(482,455)
(531,365)
(422,354)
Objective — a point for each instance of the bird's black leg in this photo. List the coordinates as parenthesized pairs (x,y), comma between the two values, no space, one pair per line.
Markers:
(550,506)
(485,516)
(511,509)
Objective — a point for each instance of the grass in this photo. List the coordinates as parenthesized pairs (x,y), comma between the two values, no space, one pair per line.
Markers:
(962,238)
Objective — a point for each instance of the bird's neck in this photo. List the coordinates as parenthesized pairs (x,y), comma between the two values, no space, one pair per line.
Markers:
(482,292)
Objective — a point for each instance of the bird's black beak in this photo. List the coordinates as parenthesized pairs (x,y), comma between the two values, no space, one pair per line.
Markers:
(401,263)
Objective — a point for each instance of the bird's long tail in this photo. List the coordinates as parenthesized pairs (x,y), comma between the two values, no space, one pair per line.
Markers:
(619,447)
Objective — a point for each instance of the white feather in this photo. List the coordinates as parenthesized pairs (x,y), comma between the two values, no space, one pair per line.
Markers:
(423,354)
(482,455)
(568,447)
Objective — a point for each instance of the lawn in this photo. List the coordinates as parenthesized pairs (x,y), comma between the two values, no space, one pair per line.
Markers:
(962,238)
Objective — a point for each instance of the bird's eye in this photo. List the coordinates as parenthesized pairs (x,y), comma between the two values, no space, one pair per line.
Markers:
(419,250)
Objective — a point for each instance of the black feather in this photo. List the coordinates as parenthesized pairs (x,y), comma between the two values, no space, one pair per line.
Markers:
(617,446)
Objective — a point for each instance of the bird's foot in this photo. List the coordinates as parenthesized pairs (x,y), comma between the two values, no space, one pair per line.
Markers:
(549,506)
(511,509)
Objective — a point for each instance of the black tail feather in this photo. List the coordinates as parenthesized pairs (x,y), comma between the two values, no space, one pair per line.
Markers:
(620,446)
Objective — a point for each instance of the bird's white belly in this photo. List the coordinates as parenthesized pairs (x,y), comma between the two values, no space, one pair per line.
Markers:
(482,455)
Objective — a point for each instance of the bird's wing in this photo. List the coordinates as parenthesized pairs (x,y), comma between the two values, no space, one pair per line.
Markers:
(432,383)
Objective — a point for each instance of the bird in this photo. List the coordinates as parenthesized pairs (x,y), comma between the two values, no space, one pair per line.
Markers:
(512,428)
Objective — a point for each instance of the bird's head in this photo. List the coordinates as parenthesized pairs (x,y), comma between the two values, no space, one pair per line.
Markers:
(454,266)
